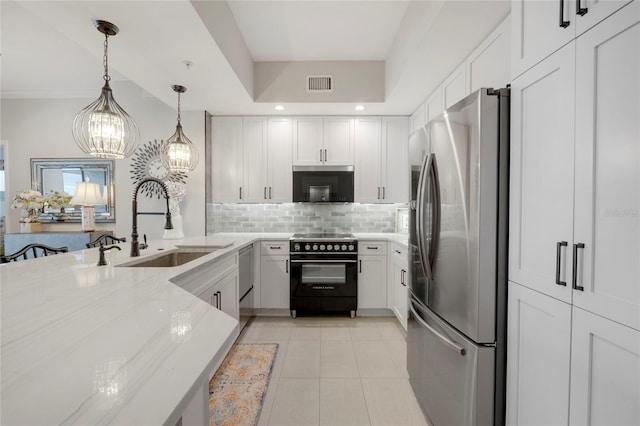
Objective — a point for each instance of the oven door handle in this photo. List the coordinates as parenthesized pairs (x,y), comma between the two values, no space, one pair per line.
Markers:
(322,261)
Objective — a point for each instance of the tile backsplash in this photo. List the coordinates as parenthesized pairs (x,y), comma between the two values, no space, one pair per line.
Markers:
(297,217)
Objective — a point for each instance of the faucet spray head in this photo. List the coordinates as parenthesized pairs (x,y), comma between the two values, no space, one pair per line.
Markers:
(168,224)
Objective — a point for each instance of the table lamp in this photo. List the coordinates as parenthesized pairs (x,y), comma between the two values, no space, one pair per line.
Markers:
(87,195)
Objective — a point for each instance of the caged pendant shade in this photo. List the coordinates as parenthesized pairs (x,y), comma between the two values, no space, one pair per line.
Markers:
(180,154)
(103,129)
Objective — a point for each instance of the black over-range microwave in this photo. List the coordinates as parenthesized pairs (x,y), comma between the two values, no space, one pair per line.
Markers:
(322,184)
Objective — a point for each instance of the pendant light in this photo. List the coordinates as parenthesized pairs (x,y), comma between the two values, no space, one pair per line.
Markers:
(103,129)
(180,154)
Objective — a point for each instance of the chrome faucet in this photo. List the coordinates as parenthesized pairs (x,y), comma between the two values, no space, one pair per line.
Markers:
(135,246)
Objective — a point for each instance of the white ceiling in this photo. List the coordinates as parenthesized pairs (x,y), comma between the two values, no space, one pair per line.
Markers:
(318,30)
(51,49)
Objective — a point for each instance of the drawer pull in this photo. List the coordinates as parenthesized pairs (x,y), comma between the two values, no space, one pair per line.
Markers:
(372,248)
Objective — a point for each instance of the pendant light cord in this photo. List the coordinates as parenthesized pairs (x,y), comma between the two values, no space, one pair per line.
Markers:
(178,107)
(105,60)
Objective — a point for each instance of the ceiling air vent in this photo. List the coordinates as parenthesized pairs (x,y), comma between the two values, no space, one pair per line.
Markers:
(319,84)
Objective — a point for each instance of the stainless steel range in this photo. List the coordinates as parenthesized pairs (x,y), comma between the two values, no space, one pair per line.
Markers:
(324,275)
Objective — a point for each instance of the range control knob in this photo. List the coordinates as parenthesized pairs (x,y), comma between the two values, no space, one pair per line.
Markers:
(351,247)
(337,247)
(344,247)
(296,247)
(321,247)
(329,247)
(315,247)
(307,247)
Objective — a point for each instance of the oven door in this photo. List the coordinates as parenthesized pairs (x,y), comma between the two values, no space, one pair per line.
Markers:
(323,277)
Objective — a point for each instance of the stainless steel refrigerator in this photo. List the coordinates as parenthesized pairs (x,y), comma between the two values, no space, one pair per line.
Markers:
(456,352)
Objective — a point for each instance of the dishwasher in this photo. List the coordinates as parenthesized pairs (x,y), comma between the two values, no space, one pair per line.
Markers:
(246,284)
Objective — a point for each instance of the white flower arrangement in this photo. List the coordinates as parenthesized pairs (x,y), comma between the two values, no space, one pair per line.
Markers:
(29,202)
(57,200)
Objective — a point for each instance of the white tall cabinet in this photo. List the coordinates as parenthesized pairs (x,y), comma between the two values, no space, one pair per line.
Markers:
(226,159)
(574,295)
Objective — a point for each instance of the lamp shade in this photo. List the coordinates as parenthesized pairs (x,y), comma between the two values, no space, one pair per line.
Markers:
(103,128)
(180,154)
(87,194)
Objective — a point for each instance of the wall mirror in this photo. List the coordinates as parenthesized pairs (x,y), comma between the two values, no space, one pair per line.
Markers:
(62,174)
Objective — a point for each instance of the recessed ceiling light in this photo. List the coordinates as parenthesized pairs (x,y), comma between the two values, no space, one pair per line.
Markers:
(279,108)
(359,108)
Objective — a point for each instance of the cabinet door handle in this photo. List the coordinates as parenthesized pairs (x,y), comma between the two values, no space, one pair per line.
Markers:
(384,195)
(220,300)
(559,246)
(265,193)
(269,192)
(575,266)
(240,192)
(286,266)
(360,265)
(563,23)
(216,303)
(581,10)
(325,155)
(402,272)
(321,156)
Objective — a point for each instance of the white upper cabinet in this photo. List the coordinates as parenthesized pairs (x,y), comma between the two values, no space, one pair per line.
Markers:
(279,161)
(541,181)
(254,137)
(321,141)
(395,161)
(539,28)
(456,86)
(434,105)
(368,166)
(594,11)
(418,118)
(607,174)
(382,164)
(251,159)
(308,141)
(339,141)
(226,159)
(489,64)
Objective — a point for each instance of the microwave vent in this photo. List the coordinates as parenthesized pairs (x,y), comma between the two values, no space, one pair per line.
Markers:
(319,84)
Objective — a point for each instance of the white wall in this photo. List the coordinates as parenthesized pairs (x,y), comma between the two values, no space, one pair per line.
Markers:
(41,128)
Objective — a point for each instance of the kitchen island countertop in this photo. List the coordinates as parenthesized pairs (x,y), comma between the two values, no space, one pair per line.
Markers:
(87,344)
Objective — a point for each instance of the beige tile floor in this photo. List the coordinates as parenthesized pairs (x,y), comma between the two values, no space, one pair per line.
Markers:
(336,371)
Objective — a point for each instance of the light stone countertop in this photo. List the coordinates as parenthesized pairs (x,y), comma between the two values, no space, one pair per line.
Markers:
(87,345)
(83,344)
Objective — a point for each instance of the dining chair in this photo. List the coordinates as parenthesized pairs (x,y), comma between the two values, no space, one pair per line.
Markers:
(106,239)
(35,250)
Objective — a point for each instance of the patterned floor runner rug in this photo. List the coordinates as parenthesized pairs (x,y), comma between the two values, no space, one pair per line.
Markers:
(237,390)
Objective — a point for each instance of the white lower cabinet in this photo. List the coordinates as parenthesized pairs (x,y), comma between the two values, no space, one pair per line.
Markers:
(605,371)
(568,366)
(274,275)
(372,282)
(538,356)
(398,279)
(372,274)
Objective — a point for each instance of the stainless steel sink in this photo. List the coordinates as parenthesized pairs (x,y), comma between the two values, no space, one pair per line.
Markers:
(168,260)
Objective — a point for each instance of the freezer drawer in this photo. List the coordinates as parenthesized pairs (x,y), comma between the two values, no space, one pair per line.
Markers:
(452,377)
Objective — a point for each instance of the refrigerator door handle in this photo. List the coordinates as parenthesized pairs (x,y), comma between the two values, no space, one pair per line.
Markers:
(453,345)
(429,176)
